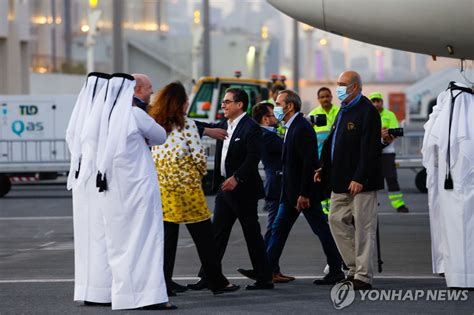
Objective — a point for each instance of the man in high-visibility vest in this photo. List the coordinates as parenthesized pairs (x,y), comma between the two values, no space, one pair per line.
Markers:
(330,110)
(389,120)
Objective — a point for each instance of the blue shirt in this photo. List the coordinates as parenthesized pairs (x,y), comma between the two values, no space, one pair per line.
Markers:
(269,128)
(344,107)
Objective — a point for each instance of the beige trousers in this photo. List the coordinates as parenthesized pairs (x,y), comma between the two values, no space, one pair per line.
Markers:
(353,223)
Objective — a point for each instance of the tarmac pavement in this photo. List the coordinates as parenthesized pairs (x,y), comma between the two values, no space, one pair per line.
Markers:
(36,264)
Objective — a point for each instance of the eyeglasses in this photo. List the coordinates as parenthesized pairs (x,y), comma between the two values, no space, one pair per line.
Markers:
(227,102)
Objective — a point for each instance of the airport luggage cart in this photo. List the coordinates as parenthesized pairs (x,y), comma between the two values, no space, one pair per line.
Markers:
(37,159)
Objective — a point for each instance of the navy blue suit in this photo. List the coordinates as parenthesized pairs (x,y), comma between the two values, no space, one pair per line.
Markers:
(271,159)
(300,159)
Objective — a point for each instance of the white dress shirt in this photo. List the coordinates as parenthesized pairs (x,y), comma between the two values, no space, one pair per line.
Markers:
(231,125)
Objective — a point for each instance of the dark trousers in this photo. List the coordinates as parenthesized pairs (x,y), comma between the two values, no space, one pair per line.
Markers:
(282,225)
(201,232)
(390,171)
(228,208)
(271,207)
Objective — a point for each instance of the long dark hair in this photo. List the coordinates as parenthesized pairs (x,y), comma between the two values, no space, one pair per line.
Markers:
(167,107)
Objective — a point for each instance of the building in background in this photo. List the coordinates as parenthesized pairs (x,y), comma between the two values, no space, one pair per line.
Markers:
(160,38)
(331,54)
(15,41)
(164,39)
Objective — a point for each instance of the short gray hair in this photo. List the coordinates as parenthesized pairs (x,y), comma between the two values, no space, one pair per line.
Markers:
(356,79)
(292,97)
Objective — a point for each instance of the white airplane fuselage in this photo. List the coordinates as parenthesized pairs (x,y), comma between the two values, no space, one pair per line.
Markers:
(433,27)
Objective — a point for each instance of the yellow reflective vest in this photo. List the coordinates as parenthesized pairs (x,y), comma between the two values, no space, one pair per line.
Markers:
(389,120)
(322,132)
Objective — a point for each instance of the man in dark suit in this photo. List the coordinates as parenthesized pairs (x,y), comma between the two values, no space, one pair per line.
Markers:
(240,186)
(299,193)
(352,169)
(262,113)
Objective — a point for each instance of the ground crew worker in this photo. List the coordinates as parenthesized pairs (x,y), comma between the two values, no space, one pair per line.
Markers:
(389,120)
(330,110)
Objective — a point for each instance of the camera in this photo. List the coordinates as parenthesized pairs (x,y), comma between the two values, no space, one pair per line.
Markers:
(395,132)
(318,120)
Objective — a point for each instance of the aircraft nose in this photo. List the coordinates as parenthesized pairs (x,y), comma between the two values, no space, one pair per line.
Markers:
(307,11)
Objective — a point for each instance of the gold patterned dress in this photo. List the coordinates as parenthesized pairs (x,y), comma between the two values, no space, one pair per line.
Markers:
(181,164)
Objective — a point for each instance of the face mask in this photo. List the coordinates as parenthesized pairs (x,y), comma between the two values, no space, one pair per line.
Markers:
(341,92)
(278,112)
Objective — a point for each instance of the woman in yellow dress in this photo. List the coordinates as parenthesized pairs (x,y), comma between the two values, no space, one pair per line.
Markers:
(181,164)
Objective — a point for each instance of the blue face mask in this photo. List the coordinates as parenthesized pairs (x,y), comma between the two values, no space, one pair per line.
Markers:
(341,92)
(278,112)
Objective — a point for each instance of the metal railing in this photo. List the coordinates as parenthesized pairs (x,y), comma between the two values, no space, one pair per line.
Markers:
(209,146)
(409,146)
(408,149)
(34,151)
(50,151)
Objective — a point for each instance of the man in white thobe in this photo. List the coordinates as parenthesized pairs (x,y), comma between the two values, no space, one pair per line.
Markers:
(131,204)
(448,156)
(92,276)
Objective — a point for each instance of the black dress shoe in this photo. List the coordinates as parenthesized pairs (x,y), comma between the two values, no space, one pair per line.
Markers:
(200,285)
(87,303)
(178,288)
(403,209)
(347,279)
(160,307)
(226,289)
(249,273)
(330,278)
(361,285)
(261,286)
